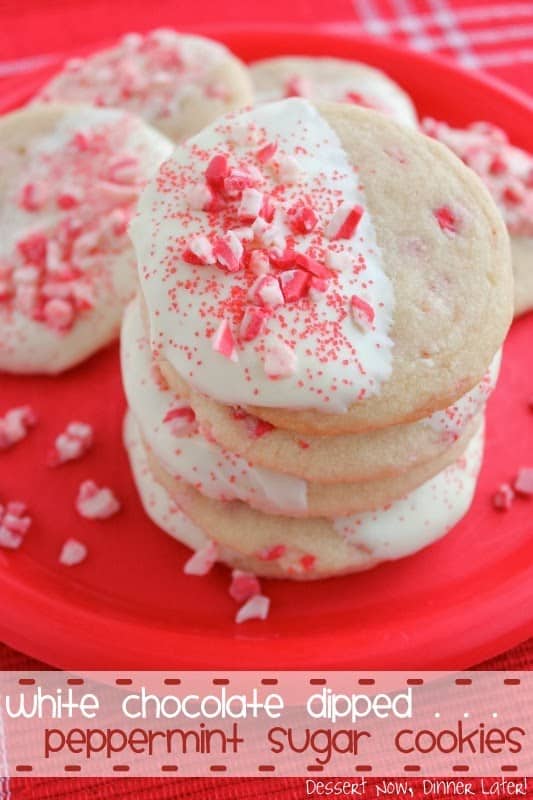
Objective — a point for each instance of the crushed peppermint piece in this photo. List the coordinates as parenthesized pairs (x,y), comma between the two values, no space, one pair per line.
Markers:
(14,524)
(252,323)
(312,266)
(250,205)
(294,284)
(307,562)
(272,553)
(199,196)
(524,481)
(302,218)
(73,552)
(15,425)
(362,313)
(266,291)
(257,607)
(96,503)
(267,152)
(224,343)
(259,427)
(503,497)
(227,251)
(33,196)
(202,561)
(279,361)
(259,262)
(199,251)
(73,443)
(297,86)
(287,169)
(182,420)
(243,586)
(446,218)
(344,222)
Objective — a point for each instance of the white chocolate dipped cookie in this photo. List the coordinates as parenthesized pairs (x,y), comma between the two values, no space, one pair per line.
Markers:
(334,80)
(352,457)
(272,254)
(187,452)
(314,548)
(174,81)
(69,182)
(507,172)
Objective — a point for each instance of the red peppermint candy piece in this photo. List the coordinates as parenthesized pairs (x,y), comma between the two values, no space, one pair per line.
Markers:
(243,585)
(217,170)
(344,222)
(224,343)
(267,153)
(447,219)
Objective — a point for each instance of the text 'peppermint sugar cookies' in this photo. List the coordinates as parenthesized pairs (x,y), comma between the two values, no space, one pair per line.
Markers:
(174,81)
(70,179)
(297,261)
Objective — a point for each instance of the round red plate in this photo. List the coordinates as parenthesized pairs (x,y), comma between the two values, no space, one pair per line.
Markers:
(129,605)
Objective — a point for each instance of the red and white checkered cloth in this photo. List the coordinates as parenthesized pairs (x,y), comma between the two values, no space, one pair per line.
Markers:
(479,34)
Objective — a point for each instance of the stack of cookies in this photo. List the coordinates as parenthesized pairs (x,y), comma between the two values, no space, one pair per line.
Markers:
(323,298)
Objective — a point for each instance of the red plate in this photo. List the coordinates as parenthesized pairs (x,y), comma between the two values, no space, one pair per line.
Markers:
(129,605)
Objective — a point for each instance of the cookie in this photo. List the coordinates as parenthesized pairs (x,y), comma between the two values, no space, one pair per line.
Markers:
(272,254)
(176,82)
(507,172)
(187,452)
(352,457)
(69,182)
(334,80)
(314,548)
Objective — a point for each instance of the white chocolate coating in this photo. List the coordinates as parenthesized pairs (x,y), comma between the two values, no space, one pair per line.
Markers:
(451,421)
(331,80)
(190,456)
(63,193)
(345,545)
(424,515)
(326,361)
(177,82)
